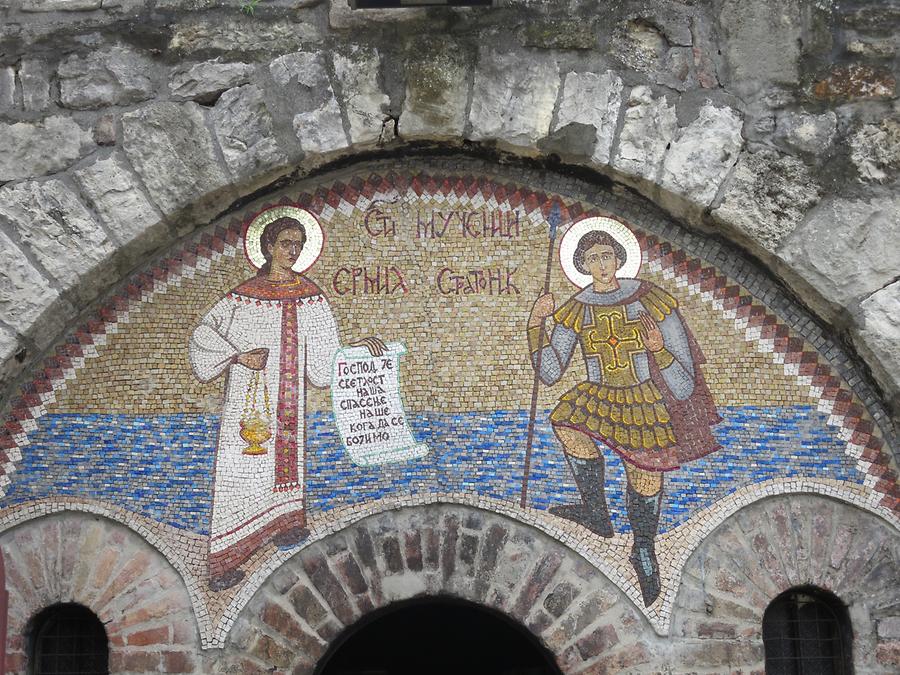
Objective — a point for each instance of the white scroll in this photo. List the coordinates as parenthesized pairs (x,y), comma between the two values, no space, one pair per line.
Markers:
(368,410)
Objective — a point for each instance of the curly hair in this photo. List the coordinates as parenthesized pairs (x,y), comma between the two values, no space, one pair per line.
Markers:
(594,238)
(270,234)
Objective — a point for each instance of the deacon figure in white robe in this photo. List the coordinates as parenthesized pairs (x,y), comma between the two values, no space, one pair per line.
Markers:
(268,337)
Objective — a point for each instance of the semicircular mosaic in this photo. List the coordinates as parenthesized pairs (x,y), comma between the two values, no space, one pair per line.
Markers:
(397,337)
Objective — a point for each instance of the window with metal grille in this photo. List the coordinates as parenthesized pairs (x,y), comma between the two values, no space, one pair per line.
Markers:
(806,631)
(68,640)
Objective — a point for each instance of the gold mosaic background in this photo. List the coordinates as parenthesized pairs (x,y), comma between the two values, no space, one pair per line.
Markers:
(466,352)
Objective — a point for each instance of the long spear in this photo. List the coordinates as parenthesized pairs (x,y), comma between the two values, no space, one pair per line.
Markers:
(553,220)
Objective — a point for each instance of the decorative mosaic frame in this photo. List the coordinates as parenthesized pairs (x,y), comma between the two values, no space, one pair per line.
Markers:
(717,275)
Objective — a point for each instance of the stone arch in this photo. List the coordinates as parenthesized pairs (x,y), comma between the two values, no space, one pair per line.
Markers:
(451,550)
(72,557)
(787,542)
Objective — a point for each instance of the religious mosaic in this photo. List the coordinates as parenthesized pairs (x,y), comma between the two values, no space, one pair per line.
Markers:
(399,338)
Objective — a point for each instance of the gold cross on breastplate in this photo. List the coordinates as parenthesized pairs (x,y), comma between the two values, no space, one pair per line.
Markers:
(614,339)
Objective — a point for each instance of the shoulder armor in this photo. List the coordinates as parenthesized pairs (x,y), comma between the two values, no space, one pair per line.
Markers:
(571,315)
(658,303)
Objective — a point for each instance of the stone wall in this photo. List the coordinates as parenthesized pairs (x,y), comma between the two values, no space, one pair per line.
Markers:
(126,124)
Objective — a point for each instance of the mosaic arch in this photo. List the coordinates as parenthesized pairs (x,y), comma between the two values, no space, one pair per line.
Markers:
(558,353)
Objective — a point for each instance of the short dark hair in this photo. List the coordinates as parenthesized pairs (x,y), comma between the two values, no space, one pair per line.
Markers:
(270,234)
(594,238)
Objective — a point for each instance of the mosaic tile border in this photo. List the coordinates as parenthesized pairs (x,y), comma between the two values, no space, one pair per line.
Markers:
(734,299)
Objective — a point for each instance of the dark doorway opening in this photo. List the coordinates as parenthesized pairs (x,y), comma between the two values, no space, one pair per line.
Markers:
(437,636)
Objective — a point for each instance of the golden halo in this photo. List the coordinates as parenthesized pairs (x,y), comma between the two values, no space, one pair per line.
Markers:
(312,249)
(616,230)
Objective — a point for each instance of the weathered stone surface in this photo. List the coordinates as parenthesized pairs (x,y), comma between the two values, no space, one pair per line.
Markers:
(341,15)
(808,133)
(640,44)
(205,82)
(559,34)
(44,147)
(874,47)
(703,154)
(113,190)
(57,228)
(35,80)
(60,5)
(240,35)
(649,127)
(875,150)
(9,347)
(104,131)
(244,128)
(363,100)
(762,42)
(24,292)
(436,92)
(170,147)
(304,81)
(843,248)
(513,99)
(595,99)
(766,197)
(115,76)
(856,82)
(7,88)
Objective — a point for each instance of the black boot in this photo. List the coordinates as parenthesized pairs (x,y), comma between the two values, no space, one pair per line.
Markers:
(592,512)
(643,512)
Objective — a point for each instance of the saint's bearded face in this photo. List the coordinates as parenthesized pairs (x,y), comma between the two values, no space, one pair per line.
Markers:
(287,247)
(601,263)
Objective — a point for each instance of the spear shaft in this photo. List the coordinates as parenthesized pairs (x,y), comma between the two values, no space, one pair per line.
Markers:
(529,443)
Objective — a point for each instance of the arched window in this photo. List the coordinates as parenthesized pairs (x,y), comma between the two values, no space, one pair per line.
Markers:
(68,640)
(807,631)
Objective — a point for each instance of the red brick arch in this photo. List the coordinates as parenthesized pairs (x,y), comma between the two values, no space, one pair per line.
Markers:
(102,565)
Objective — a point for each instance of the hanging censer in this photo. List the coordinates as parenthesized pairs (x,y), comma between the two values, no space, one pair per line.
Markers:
(254,426)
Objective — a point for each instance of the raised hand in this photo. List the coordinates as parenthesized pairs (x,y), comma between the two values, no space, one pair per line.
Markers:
(543,307)
(375,346)
(650,333)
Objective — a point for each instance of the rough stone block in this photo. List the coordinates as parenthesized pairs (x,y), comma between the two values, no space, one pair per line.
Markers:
(305,84)
(762,42)
(10,364)
(841,250)
(766,197)
(875,150)
(559,34)
(60,5)
(513,98)
(363,101)
(170,147)
(307,606)
(57,228)
(115,194)
(341,15)
(114,76)
(856,83)
(7,88)
(813,134)
(240,35)
(205,82)
(877,335)
(29,150)
(244,129)
(35,81)
(650,125)
(703,154)
(597,642)
(594,99)
(436,92)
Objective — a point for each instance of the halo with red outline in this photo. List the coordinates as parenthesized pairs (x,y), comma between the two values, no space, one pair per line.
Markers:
(617,230)
(312,249)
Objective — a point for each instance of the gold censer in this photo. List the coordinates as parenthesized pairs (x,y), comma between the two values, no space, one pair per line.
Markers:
(254,425)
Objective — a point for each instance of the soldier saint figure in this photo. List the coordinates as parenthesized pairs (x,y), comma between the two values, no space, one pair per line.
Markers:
(644,397)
